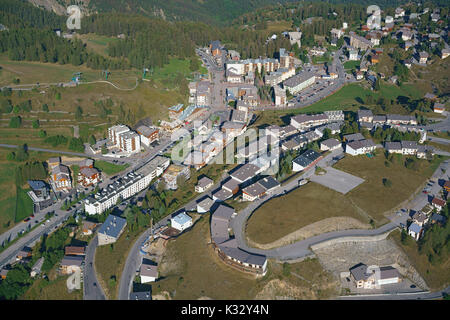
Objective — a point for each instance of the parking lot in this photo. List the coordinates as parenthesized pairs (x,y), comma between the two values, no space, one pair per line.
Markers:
(337,180)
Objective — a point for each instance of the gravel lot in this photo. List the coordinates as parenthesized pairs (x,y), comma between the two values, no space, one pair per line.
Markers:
(337,180)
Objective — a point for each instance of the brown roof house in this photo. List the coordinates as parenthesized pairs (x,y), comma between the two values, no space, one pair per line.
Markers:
(24,253)
(148,271)
(88,227)
(75,251)
(438,203)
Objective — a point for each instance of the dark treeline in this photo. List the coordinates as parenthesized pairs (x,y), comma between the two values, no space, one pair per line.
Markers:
(21,14)
(149,42)
(43,45)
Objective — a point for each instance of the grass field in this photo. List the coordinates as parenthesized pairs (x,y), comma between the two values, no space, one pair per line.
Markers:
(347,98)
(7,193)
(110,261)
(170,70)
(97,43)
(372,196)
(52,290)
(301,207)
(109,168)
(24,205)
(436,276)
(349,65)
(278,26)
(190,270)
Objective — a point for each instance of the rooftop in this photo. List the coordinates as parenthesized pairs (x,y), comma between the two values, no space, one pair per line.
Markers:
(245,172)
(72,261)
(182,218)
(112,226)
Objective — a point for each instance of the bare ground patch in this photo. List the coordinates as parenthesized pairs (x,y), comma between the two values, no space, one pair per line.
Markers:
(340,257)
(316,228)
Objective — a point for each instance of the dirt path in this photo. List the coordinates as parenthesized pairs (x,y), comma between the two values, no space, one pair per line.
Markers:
(316,228)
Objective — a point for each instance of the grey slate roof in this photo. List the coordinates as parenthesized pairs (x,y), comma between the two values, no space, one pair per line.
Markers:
(393,146)
(254,190)
(354,137)
(331,143)
(206,203)
(112,226)
(409,144)
(37,184)
(72,261)
(204,182)
(366,143)
(297,79)
(246,172)
(359,272)
(307,157)
(268,182)
(145,295)
(223,212)
(222,194)
(414,227)
(388,272)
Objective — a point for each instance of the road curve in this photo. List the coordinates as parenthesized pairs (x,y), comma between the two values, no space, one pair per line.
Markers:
(301,249)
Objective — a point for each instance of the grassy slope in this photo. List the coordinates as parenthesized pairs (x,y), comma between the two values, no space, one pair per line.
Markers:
(7,193)
(110,262)
(109,168)
(190,269)
(436,276)
(24,205)
(344,99)
(372,196)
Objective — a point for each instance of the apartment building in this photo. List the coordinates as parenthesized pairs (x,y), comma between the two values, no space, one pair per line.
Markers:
(299,82)
(126,186)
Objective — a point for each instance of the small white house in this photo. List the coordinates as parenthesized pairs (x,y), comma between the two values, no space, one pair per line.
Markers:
(360,147)
(148,272)
(181,221)
(203,184)
(415,231)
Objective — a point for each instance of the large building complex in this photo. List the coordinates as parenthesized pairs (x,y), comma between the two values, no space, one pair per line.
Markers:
(299,82)
(124,139)
(126,186)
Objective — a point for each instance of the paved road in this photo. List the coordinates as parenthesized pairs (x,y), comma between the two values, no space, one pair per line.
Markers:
(400,296)
(9,254)
(134,258)
(92,290)
(439,140)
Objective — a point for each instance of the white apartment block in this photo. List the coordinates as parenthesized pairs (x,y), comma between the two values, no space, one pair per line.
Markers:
(123,138)
(130,142)
(126,186)
(299,82)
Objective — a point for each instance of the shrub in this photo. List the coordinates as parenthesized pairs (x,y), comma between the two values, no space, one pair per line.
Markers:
(387,183)
(15,122)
